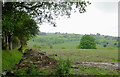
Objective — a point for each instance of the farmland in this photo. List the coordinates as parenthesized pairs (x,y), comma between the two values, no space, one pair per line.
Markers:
(100,61)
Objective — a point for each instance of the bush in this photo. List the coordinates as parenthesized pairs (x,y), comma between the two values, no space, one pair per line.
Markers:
(51,47)
(34,45)
(87,42)
(63,68)
(63,48)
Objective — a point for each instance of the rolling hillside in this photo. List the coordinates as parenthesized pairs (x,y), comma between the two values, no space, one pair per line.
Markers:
(69,41)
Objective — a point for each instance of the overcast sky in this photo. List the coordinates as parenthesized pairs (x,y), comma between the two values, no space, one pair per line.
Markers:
(101,17)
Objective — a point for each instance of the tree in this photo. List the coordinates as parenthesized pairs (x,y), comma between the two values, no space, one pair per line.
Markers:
(18,25)
(25,29)
(47,11)
(16,14)
(87,42)
(8,23)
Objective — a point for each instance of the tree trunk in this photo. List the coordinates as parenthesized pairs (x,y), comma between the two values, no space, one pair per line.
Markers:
(11,45)
(9,42)
(20,49)
(3,42)
(6,42)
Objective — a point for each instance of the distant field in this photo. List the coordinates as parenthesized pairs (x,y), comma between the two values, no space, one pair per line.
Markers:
(66,45)
(69,41)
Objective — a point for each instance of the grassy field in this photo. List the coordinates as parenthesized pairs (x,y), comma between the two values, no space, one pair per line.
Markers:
(99,55)
(78,56)
(100,61)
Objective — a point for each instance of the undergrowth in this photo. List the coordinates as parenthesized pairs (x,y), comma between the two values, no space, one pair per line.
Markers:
(63,68)
(32,71)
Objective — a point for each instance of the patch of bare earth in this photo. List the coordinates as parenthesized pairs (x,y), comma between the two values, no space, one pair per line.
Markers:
(39,59)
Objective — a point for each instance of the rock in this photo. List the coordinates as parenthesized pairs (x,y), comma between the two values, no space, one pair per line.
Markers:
(113,63)
(55,54)
(3,73)
(49,62)
(77,62)
(10,73)
(41,53)
(75,67)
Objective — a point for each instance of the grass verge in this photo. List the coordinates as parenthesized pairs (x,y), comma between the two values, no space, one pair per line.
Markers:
(10,58)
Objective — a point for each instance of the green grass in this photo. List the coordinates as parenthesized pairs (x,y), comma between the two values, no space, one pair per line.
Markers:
(10,58)
(99,55)
(66,45)
(93,71)
(0,60)
(32,71)
(87,55)
(68,41)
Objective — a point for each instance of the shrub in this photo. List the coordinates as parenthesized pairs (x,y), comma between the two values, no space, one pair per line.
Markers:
(63,48)
(63,68)
(87,42)
(34,45)
(51,47)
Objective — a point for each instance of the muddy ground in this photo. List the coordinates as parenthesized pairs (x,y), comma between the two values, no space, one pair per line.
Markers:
(104,65)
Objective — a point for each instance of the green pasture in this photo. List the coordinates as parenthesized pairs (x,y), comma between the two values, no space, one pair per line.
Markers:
(81,55)
(87,55)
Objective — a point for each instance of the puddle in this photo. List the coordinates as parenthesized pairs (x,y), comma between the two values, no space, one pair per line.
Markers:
(101,63)
(104,65)
(109,66)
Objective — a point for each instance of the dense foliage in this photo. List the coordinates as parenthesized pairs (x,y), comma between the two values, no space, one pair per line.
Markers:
(63,68)
(87,42)
(18,25)
(20,19)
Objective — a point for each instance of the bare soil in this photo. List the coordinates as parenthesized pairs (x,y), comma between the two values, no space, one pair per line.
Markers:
(38,58)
